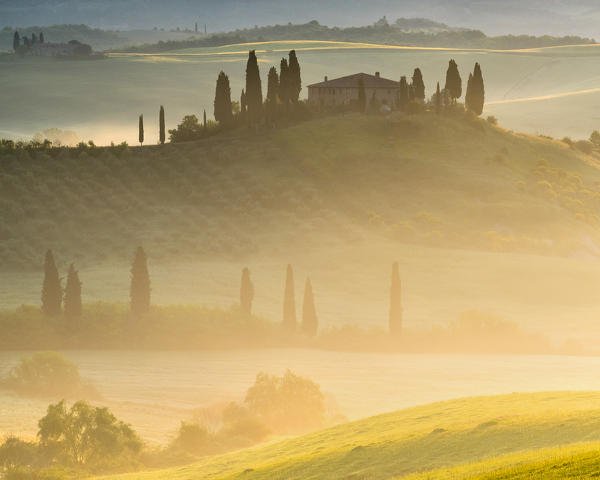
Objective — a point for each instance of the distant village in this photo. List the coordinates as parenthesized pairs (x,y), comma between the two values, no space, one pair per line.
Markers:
(37,46)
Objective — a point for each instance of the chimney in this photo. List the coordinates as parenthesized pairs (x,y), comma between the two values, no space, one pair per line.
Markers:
(325,77)
(377,74)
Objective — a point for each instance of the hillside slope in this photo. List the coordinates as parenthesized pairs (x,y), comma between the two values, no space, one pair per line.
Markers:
(414,440)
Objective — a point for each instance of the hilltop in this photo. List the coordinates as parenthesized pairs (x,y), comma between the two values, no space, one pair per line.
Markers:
(418,439)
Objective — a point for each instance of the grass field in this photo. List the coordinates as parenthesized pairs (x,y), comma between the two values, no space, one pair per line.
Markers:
(101,100)
(424,438)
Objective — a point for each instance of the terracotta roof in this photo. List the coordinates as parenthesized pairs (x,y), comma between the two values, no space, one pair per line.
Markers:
(351,81)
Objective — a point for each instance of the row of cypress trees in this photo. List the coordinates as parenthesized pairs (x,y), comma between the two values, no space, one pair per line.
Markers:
(27,42)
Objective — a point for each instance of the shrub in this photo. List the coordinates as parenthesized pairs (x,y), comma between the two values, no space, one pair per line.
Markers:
(193,438)
(584,146)
(492,120)
(595,138)
(568,141)
(15,452)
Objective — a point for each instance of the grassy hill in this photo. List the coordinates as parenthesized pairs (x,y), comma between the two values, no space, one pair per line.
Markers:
(414,440)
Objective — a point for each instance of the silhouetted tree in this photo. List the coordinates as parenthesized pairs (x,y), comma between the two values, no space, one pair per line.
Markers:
(243,105)
(418,85)
(73,296)
(16,41)
(254,99)
(309,313)
(362,96)
(141,129)
(33,39)
(51,289)
(395,302)
(453,81)
(161,125)
(272,95)
(295,81)
(289,303)
(284,82)
(42,37)
(139,292)
(26,42)
(438,99)
(246,293)
(223,111)
(475,96)
(403,97)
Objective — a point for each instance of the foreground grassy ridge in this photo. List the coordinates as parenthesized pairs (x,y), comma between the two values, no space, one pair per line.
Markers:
(440,435)
(424,179)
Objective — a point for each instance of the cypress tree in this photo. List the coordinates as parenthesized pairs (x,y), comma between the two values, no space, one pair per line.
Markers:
(161,125)
(395,303)
(289,303)
(469,93)
(141,129)
(41,37)
(73,296)
(16,41)
(243,105)
(453,81)
(284,82)
(272,94)
(51,289)
(478,91)
(254,99)
(204,123)
(246,294)
(295,81)
(223,111)
(418,85)
(139,292)
(362,96)
(403,96)
(309,313)
(26,42)
(33,39)
(438,99)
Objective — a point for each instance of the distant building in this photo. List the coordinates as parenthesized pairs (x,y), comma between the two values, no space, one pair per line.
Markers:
(73,48)
(344,90)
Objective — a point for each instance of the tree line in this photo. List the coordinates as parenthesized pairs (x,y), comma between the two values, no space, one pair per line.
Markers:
(24,44)
(67,301)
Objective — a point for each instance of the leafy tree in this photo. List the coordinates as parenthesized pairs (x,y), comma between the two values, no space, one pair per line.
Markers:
(453,81)
(16,41)
(309,313)
(395,302)
(51,289)
(246,293)
(223,111)
(284,82)
(254,98)
(85,435)
(403,96)
(475,96)
(189,129)
(42,37)
(141,129)
(295,81)
(362,96)
(418,85)
(595,138)
(15,452)
(289,303)
(139,292)
(272,94)
(72,295)
(161,125)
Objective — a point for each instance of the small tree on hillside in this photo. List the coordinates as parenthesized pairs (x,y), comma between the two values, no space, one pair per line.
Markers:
(246,293)
(284,82)
(418,85)
(295,81)
(395,302)
(139,292)
(403,97)
(73,307)
(254,97)
(223,110)
(453,81)
(309,313)
(289,303)
(362,96)
(141,130)
(16,41)
(161,125)
(51,289)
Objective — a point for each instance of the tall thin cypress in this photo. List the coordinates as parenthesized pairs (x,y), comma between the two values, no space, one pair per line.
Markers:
(73,307)
(418,85)
(139,292)
(243,105)
(204,122)
(453,81)
(395,302)
(223,110)
(289,303)
(403,94)
(362,96)
(254,97)
(477,99)
(284,82)
(309,313)
(295,80)
(161,125)
(272,94)
(141,130)
(246,293)
(41,37)
(16,41)
(469,93)
(438,99)
(51,289)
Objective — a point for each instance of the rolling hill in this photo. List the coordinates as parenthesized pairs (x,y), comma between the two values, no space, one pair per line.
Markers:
(421,439)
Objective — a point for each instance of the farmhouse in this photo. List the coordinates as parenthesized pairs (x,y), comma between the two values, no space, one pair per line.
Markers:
(344,90)
(70,49)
